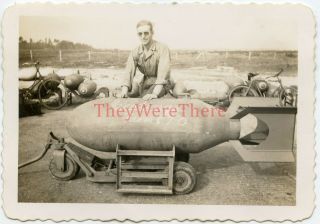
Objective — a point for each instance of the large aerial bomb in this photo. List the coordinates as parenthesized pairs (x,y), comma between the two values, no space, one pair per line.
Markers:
(73,81)
(56,80)
(111,130)
(27,74)
(53,76)
(87,88)
(189,124)
(180,90)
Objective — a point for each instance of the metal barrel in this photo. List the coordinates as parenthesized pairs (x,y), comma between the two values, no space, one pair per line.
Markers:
(189,124)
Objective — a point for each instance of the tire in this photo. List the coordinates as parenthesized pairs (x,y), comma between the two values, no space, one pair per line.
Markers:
(71,169)
(184,178)
(183,157)
(51,89)
(241,90)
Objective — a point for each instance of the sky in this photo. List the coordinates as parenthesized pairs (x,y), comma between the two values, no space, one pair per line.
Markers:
(180,27)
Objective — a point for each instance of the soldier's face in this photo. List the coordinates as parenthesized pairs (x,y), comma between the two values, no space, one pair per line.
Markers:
(145,34)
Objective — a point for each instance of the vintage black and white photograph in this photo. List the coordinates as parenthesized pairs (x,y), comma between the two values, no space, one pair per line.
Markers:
(160,104)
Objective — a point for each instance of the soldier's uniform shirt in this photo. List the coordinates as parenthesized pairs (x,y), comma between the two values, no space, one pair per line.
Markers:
(153,64)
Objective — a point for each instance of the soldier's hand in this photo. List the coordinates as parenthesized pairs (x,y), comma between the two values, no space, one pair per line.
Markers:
(150,96)
(124,92)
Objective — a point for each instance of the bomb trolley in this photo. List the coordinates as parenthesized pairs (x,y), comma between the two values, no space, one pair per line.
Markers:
(168,172)
(134,171)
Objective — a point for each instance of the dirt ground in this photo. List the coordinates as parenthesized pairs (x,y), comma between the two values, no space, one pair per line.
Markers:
(223,178)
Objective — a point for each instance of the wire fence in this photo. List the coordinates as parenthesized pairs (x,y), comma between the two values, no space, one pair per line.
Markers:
(179,58)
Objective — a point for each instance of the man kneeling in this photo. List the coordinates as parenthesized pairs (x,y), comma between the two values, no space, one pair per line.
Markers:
(148,67)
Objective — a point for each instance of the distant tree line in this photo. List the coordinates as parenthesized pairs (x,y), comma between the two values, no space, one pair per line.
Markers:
(48,43)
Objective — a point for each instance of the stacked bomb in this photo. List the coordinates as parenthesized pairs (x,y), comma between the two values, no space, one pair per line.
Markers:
(76,81)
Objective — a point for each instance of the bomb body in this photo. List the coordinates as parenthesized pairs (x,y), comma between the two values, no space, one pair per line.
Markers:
(188,124)
(73,81)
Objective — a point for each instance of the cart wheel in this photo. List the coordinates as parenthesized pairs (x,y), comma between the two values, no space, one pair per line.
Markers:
(71,169)
(182,156)
(184,178)
(52,94)
(242,90)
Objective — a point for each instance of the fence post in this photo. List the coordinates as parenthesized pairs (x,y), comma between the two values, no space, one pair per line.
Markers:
(31,56)
(199,55)
(60,56)
(249,56)
(89,55)
(274,55)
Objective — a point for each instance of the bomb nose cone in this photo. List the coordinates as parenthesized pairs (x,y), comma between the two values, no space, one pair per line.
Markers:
(87,88)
